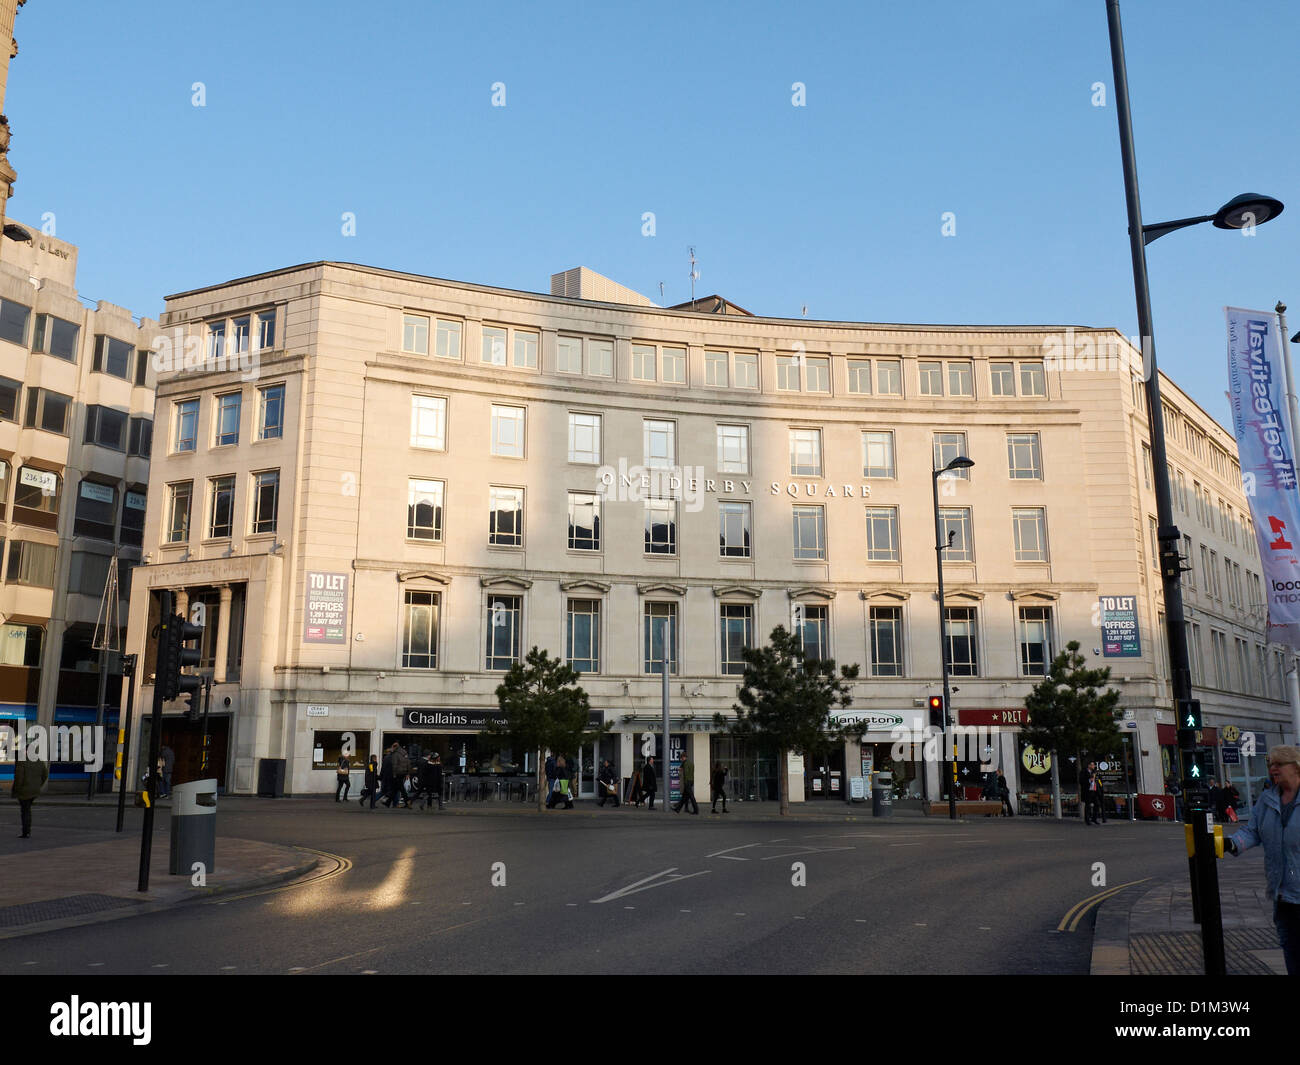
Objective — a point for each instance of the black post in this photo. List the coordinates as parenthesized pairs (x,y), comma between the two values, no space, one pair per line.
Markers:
(167,606)
(939,548)
(128,677)
(1166,532)
(207,706)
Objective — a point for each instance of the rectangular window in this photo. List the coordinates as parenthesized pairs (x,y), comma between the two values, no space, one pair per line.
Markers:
(787,373)
(733,530)
(1002,378)
(31,563)
(525,350)
(715,368)
(733,449)
(956,520)
(643,362)
(1035,640)
(141,437)
(266,500)
(270,418)
(505,517)
(806,452)
(13,321)
(947,446)
(106,427)
(241,335)
(47,410)
(961,379)
(1030,528)
(931,378)
(736,622)
(660,637)
(809,532)
(889,377)
(1024,462)
(600,358)
(265,330)
(878,454)
(429,422)
(56,337)
(508,431)
(185,416)
(661,526)
(818,377)
(221,507)
(228,408)
(447,339)
(504,630)
(96,513)
(37,491)
(568,354)
(1033,382)
(415,334)
(886,641)
(113,356)
(584,521)
(962,641)
(860,376)
(216,342)
(812,625)
(420,629)
(132,527)
(674,362)
(179,496)
(746,371)
(584,438)
(11,392)
(494,346)
(424,500)
(882,534)
(660,444)
(582,634)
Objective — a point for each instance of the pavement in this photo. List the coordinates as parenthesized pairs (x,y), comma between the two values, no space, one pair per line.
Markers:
(1148,930)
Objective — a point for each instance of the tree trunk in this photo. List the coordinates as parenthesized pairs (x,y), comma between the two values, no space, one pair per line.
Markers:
(541,797)
(783,782)
(1056,787)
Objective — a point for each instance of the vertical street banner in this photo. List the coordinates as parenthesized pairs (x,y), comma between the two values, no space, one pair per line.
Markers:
(325,614)
(1267,460)
(1120,636)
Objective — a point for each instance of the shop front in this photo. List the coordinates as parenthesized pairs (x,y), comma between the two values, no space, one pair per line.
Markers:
(892,741)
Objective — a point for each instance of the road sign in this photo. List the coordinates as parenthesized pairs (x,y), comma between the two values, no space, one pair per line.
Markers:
(1231,754)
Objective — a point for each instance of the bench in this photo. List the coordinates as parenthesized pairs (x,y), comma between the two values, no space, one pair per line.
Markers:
(965,808)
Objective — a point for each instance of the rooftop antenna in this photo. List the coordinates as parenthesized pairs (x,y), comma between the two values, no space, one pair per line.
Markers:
(805,310)
(695,275)
(662,301)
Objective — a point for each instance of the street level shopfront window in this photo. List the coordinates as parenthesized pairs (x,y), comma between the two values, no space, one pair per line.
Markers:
(327,745)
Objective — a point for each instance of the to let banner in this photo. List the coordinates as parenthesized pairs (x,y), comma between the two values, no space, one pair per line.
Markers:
(1267,460)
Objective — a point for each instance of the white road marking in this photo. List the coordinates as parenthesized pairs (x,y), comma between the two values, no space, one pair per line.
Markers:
(860,920)
(738,915)
(369,972)
(570,904)
(228,968)
(644,884)
(805,850)
(919,924)
(985,928)
(518,903)
(298,969)
(726,852)
(905,844)
(679,911)
(161,965)
(798,918)
(95,964)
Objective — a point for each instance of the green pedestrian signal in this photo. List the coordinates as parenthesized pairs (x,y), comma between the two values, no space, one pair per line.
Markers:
(1189,713)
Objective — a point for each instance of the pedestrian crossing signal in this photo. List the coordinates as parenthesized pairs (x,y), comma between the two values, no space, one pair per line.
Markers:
(1189,713)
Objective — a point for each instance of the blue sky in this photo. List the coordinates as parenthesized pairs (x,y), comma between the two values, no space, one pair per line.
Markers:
(912,110)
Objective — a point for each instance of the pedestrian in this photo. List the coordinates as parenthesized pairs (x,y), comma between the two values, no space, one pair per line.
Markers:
(343,782)
(1092,795)
(431,780)
(30,775)
(1171,786)
(650,780)
(1215,796)
(371,789)
(636,794)
(1229,800)
(608,783)
(1004,794)
(386,776)
(1274,825)
(718,787)
(688,788)
(562,788)
(401,773)
(550,779)
(167,757)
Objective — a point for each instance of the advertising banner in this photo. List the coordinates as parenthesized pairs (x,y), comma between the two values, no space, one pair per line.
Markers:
(325,616)
(1267,461)
(1119,626)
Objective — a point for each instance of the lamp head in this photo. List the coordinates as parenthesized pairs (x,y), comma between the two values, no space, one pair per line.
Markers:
(961,462)
(1248,209)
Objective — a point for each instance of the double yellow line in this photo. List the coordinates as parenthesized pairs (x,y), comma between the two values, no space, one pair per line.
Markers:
(1077,912)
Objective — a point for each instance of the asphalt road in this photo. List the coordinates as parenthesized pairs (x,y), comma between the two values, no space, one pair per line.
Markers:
(603,891)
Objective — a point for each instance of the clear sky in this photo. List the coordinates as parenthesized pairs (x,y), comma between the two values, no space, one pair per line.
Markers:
(384,109)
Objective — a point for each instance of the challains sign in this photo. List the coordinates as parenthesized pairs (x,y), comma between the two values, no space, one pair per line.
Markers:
(437,718)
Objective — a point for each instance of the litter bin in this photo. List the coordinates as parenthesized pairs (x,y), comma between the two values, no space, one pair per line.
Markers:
(882,794)
(194,826)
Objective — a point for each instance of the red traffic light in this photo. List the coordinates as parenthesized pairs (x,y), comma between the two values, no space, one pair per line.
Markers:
(936,702)
(936,712)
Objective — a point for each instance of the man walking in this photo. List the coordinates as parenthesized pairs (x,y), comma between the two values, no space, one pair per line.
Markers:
(431,780)
(718,787)
(343,782)
(1091,795)
(688,788)
(608,784)
(30,776)
(650,780)
(1004,794)
(168,758)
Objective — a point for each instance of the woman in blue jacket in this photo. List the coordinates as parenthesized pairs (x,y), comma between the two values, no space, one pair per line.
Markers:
(1274,825)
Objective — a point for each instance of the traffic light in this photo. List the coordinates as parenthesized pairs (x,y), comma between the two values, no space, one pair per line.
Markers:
(1189,714)
(1198,766)
(937,716)
(175,656)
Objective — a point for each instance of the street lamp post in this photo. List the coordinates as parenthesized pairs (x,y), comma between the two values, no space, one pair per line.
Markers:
(1242,212)
(961,462)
